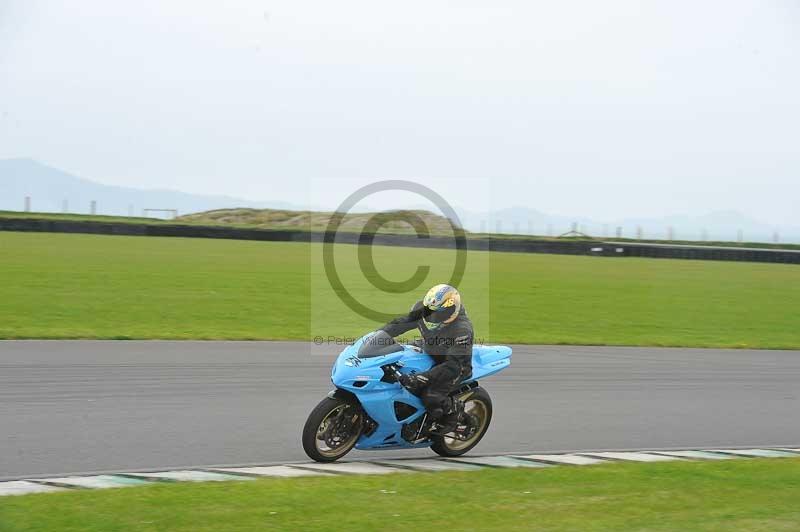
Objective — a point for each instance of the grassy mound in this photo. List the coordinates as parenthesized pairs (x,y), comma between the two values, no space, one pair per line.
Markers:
(396,222)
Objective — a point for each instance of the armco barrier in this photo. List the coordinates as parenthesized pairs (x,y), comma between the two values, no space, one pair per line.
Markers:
(516,245)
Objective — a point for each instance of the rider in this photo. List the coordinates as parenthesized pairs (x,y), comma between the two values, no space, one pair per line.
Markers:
(447,337)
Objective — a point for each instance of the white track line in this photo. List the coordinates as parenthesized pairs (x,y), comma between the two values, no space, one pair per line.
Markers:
(351,468)
(284,471)
(632,457)
(562,459)
(24,487)
(758,453)
(372,467)
(92,482)
(497,461)
(187,475)
(429,464)
(696,455)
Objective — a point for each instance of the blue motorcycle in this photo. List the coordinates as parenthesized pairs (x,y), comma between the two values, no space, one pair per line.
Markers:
(369,409)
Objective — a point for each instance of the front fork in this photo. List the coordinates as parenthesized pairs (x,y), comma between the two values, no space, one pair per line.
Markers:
(369,424)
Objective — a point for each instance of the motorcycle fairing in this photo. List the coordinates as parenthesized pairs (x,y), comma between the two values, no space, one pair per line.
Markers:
(363,377)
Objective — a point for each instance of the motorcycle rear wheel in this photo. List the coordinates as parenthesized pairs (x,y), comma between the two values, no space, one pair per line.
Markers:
(477,404)
(332,429)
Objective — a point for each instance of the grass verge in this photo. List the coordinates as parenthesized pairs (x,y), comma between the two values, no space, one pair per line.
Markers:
(751,495)
(116,287)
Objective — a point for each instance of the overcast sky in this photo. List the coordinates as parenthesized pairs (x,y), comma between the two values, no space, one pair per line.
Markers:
(599,109)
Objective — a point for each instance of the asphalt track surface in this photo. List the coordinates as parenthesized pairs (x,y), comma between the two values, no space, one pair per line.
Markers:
(68,407)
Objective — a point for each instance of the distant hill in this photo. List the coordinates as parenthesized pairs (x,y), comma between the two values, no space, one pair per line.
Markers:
(49,187)
(390,221)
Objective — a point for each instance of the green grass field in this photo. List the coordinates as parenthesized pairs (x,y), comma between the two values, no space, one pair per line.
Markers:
(746,495)
(88,286)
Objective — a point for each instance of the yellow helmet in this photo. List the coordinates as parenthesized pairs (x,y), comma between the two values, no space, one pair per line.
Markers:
(442,304)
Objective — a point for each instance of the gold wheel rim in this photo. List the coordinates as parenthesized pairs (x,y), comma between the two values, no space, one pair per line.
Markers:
(475,407)
(343,447)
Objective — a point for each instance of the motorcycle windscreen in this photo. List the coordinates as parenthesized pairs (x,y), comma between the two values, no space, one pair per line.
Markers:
(378,344)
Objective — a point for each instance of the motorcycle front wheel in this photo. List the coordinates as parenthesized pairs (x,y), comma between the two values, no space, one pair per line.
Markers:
(478,410)
(332,429)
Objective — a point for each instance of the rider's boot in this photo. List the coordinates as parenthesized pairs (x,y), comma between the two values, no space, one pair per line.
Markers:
(451,420)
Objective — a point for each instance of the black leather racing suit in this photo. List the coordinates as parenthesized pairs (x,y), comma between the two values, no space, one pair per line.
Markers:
(451,349)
